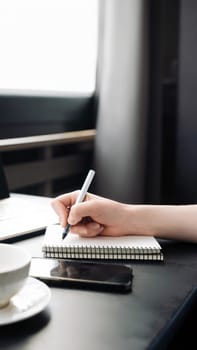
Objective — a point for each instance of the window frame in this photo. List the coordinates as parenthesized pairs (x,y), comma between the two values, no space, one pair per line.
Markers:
(37,115)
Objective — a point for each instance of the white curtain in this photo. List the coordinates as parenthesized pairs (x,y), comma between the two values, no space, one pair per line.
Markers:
(122,89)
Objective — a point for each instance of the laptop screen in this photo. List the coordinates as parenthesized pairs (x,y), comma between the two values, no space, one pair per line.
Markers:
(4,192)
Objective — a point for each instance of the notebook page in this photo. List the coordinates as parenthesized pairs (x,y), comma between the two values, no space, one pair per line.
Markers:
(53,237)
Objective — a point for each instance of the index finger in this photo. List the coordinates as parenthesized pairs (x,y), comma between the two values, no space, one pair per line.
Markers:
(62,204)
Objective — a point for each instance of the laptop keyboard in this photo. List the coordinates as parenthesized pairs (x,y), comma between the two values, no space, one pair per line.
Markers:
(19,216)
(14,207)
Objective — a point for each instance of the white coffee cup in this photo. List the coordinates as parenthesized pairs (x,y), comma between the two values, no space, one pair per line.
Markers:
(14,269)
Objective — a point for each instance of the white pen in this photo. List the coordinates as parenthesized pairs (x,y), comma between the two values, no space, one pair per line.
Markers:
(81,196)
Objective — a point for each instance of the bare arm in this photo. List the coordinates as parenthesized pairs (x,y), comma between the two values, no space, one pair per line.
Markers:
(172,222)
(98,215)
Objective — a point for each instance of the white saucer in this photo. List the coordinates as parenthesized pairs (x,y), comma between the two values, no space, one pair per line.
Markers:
(29,301)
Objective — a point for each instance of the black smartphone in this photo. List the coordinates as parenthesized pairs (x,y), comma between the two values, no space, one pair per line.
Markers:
(79,274)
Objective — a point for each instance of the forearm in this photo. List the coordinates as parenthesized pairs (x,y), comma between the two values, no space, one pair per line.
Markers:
(171,222)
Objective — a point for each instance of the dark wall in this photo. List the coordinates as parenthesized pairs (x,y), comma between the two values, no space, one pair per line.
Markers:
(186,138)
(162,114)
(172,140)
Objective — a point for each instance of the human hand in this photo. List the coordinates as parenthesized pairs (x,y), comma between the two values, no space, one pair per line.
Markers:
(95,215)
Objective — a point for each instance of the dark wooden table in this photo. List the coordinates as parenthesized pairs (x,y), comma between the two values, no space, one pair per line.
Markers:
(159,306)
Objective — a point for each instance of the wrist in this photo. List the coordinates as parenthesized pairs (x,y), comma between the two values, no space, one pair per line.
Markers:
(140,220)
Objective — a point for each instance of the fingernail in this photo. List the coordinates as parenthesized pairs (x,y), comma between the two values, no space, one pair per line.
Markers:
(71,220)
(95,225)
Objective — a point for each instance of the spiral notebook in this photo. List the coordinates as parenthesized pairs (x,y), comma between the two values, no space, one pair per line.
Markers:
(100,247)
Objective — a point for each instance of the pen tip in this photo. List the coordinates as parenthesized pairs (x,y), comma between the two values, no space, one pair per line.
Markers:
(65,232)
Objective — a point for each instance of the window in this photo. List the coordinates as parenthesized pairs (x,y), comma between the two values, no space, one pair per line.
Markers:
(48,46)
(47,66)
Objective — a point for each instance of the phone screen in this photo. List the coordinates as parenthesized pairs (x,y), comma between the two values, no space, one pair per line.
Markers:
(108,276)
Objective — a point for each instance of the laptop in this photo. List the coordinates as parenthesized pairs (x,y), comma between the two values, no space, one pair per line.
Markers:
(22,214)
